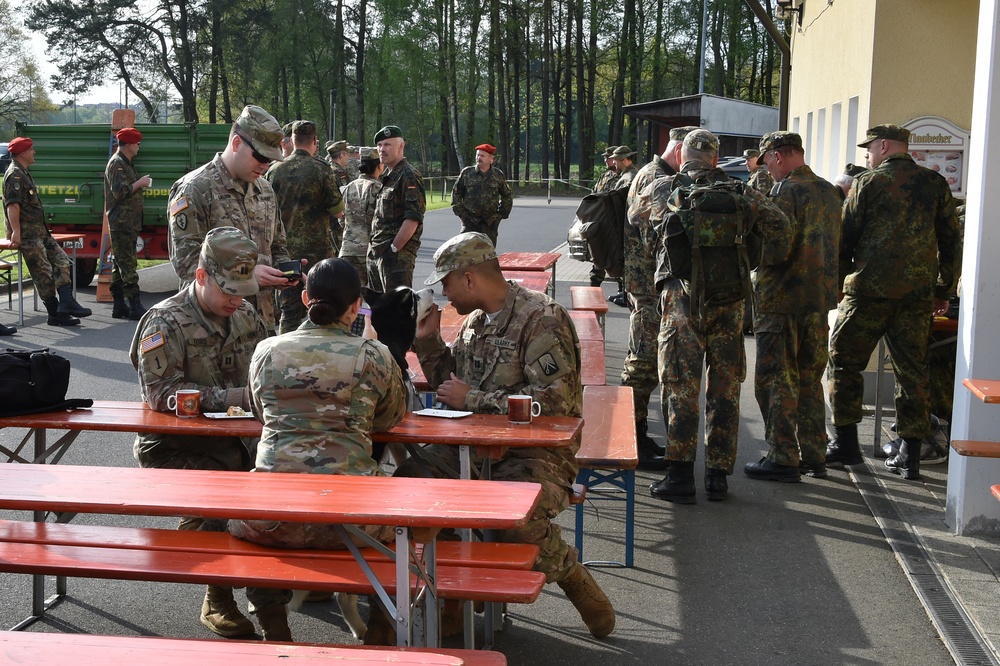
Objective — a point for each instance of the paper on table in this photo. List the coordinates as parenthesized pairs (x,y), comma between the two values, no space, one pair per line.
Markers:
(223,415)
(443,413)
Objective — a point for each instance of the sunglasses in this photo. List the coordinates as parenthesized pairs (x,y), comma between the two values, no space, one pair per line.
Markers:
(253,151)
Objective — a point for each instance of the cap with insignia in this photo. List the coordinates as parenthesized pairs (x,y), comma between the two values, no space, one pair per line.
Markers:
(622,152)
(780,139)
(702,140)
(230,257)
(388,132)
(462,251)
(888,132)
(262,130)
(335,147)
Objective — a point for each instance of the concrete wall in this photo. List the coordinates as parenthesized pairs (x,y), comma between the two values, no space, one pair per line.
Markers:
(730,116)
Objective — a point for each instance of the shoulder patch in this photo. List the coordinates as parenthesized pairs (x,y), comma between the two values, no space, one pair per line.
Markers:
(178,205)
(181,221)
(154,341)
(548,364)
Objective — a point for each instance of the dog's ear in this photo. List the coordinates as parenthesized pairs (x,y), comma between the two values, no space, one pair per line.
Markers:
(371,297)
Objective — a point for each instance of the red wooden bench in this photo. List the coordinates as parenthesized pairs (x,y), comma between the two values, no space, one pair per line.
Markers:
(531,261)
(534,280)
(586,325)
(592,299)
(987,390)
(592,372)
(53,649)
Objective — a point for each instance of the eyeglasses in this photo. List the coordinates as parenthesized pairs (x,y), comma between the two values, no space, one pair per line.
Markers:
(253,151)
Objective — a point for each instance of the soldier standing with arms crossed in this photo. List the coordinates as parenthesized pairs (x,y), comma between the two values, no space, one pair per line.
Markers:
(482,197)
(123,197)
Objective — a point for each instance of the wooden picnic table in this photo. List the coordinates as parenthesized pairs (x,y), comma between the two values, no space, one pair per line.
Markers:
(62,239)
(531,261)
(987,390)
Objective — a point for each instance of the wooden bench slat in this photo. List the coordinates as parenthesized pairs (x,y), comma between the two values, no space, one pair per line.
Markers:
(588,298)
(977,449)
(587,326)
(592,364)
(476,584)
(609,436)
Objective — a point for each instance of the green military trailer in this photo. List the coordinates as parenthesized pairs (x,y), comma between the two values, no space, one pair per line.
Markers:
(69,172)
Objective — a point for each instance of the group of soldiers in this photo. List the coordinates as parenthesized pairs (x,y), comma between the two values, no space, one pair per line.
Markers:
(888,255)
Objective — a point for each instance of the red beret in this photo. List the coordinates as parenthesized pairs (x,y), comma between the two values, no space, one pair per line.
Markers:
(19,145)
(129,135)
(486,147)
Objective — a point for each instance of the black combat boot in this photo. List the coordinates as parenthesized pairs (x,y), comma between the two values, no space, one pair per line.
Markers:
(716,484)
(7,330)
(135,309)
(678,485)
(120,309)
(906,463)
(57,318)
(650,453)
(844,448)
(68,304)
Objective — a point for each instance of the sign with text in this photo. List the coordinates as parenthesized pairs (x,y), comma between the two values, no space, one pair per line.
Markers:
(940,145)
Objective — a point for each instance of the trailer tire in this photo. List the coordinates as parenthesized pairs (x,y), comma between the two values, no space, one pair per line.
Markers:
(85,270)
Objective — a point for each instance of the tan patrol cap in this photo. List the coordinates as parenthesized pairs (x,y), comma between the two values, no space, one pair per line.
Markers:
(230,257)
(263,131)
(702,140)
(335,147)
(623,152)
(462,251)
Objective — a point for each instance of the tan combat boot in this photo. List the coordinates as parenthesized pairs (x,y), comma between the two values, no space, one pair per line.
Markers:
(274,623)
(593,605)
(220,614)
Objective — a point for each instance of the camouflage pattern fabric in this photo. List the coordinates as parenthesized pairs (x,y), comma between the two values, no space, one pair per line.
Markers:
(685,344)
(401,198)
(48,265)
(177,346)
(19,188)
(761,180)
(340,175)
(624,180)
(941,355)
(906,326)
(360,198)
(124,208)
(207,198)
(353,169)
(481,200)
(530,348)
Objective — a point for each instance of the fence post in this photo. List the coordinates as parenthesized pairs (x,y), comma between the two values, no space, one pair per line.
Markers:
(550,189)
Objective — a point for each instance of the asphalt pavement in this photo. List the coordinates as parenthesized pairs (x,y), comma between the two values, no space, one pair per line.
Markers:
(777,574)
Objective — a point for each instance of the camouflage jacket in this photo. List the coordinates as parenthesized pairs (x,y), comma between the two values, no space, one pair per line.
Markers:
(19,188)
(807,279)
(307,197)
(353,169)
(360,198)
(124,206)
(624,180)
(760,179)
(900,237)
(401,198)
(606,182)
(320,391)
(339,174)
(640,242)
(482,198)
(207,198)
(177,346)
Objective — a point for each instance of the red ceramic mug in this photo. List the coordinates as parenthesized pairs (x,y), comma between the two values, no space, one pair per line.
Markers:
(521,409)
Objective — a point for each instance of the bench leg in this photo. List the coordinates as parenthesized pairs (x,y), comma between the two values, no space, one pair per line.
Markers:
(581,477)
(629,517)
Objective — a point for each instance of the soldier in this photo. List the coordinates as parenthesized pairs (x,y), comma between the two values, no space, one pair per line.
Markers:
(898,265)
(399,216)
(759,178)
(481,197)
(308,198)
(353,163)
(229,191)
(605,183)
(202,338)
(639,370)
(693,333)
(47,262)
(360,199)
(528,347)
(337,150)
(286,143)
(123,197)
(320,392)
(791,327)
(626,169)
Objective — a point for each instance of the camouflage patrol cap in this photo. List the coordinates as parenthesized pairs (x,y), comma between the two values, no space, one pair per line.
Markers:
(623,152)
(335,147)
(751,153)
(462,251)
(263,131)
(230,257)
(609,152)
(387,132)
(678,133)
(368,154)
(304,128)
(352,149)
(887,132)
(702,140)
(774,140)
(287,129)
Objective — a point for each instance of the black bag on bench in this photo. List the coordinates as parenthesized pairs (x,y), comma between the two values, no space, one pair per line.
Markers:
(32,382)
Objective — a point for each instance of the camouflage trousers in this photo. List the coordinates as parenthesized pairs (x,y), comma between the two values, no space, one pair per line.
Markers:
(387,273)
(491,230)
(639,371)
(685,344)
(360,265)
(554,469)
(788,382)
(48,265)
(293,312)
(941,368)
(124,277)
(906,326)
(336,236)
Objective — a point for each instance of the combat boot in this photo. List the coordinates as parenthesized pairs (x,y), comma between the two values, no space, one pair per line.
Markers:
(135,309)
(906,463)
(57,318)
(7,330)
(68,304)
(678,485)
(650,453)
(590,601)
(716,484)
(381,630)
(120,308)
(220,614)
(274,623)
(844,447)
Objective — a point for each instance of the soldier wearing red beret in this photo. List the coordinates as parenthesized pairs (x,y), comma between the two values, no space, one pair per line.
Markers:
(482,197)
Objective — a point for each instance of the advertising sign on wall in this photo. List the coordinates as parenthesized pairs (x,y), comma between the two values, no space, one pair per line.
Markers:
(943,147)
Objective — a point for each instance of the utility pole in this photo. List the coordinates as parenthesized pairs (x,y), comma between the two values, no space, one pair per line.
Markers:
(704,46)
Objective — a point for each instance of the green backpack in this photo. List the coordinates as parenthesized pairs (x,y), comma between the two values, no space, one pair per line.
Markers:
(709,238)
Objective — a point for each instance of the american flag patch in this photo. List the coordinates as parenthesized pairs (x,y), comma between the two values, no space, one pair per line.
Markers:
(177,206)
(155,341)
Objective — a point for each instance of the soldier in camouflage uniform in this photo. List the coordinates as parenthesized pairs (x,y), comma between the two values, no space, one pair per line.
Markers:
(759,179)
(791,327)
(229,191)
(308,198)
(25,225)
(360,198)
(337,150)
(714,337)
(639,370)
(202,338)
(626,169)
(482,197)
(319,391)
(898,265)
(353,167)
(123,196)
(399,216)
(605,183)
(530,347)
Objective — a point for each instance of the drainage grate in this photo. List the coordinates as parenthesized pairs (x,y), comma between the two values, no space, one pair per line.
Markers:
(960,635)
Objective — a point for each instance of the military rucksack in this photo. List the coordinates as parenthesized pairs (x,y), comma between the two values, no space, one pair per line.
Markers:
(709,238)
(600,221)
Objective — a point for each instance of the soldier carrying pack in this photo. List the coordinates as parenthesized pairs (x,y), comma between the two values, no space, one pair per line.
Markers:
(600,223)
